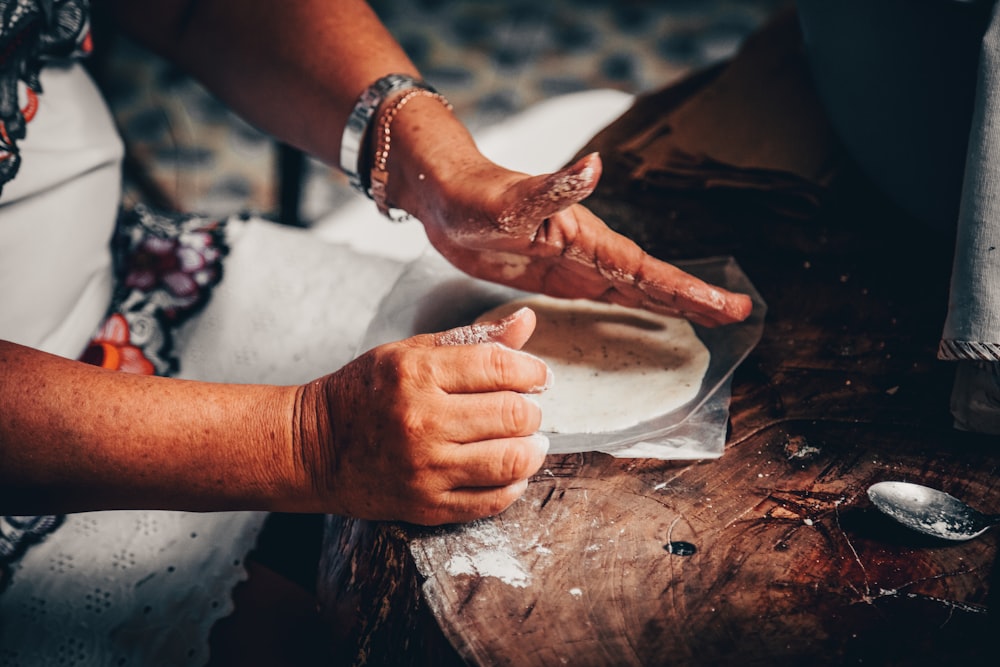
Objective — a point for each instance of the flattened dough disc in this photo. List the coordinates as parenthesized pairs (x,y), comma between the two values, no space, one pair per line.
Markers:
(614,367)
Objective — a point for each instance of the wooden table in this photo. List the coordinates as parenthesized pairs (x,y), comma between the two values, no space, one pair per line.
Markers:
(790,563)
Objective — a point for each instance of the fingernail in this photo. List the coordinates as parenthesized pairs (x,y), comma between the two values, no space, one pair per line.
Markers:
(541,441)
(516,313)
(549,375)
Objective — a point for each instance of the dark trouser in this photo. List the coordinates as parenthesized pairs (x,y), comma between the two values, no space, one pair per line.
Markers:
(898,79)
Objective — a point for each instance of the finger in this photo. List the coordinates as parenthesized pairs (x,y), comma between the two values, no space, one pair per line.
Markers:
(637,279)
(512,331)
(489,368)
(465,505)
(495,463)
(679,294)
(662,283)
(486,368)
(539,197)
(464,418)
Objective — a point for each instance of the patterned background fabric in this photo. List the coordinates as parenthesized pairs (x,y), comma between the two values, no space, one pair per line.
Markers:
(491,59)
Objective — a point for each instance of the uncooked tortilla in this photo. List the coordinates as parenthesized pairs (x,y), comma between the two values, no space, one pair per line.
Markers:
(614,367)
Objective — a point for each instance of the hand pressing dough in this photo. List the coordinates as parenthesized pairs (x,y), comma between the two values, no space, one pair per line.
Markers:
(614,367)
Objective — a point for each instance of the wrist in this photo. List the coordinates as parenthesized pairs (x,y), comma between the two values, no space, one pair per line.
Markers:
(313,452)
(382,144)
(356,142)
(428,148)
(246,440)
(275,480)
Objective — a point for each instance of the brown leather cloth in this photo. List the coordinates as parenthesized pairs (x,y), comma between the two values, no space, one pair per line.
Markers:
(753,126)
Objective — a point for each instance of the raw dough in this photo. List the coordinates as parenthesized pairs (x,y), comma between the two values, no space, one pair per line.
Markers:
(614,367)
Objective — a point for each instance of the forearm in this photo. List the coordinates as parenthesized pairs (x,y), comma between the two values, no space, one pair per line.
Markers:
(294,69)
(75,437)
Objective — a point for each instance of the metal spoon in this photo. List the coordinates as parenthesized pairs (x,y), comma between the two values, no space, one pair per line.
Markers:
(930,511)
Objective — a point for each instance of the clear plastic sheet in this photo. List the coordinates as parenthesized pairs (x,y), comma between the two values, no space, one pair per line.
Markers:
(431,295)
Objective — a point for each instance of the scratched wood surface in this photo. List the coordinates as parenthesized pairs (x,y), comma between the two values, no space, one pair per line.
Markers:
(791,564)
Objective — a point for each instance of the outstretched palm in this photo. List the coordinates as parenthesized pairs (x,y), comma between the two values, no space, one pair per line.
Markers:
(536,236)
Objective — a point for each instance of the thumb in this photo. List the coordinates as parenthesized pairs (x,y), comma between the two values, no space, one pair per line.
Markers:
(539,197)
(512,331)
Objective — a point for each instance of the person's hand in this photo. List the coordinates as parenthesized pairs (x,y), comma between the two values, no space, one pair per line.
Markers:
(531,233)
(433,429)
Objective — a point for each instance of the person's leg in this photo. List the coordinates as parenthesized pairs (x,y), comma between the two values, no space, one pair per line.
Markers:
(896,78)
(972,330)
(899,82)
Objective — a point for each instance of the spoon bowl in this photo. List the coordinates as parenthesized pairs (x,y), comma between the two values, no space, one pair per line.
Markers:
(930,511)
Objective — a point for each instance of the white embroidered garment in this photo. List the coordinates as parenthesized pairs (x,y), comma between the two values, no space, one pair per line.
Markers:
(972,328)
(141,588)
(81,595)
(124,588)
(57,217)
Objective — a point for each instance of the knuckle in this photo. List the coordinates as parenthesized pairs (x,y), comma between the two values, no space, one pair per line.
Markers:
(428,514)
(424,503)
(493,503)
(414,424)
(515,464)
(501,364)
(516,370)
(404,367)
(497,503)
(409,367)
(519,415)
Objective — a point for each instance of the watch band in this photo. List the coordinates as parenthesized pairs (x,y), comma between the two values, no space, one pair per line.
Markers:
(359,120)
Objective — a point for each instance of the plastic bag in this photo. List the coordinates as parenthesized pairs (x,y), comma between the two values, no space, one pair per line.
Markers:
(431,295)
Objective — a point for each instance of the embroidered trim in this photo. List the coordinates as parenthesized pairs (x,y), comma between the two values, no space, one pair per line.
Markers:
(32,32)
(959,350)
(165,268)
(17,533)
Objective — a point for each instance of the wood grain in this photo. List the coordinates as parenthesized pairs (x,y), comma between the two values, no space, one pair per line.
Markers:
(792,564)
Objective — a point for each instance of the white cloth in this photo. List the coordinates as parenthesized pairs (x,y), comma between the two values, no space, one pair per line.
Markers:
(57,217)
(125,588)
(289,309)
(972,328)
(145,588)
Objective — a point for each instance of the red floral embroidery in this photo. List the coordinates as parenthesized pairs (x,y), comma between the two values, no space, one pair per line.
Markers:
(184,269)
(165,268)
(111,348)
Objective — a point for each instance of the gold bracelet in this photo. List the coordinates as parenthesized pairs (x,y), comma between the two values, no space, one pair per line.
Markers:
(357,126)
(383,141)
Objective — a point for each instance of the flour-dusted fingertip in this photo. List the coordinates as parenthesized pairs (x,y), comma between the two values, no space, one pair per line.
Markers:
(541,441)
(518,313)
(549,375)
